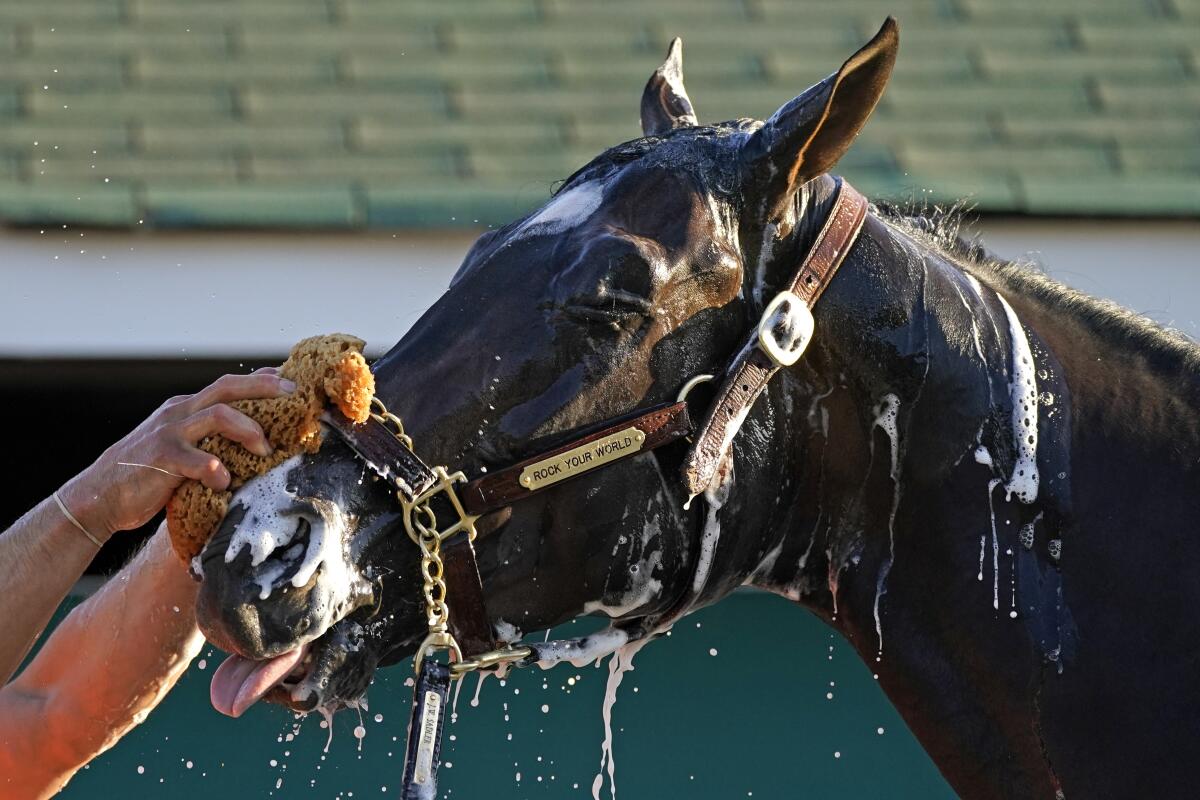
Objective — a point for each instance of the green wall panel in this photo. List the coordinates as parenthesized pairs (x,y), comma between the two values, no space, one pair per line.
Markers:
(687,723)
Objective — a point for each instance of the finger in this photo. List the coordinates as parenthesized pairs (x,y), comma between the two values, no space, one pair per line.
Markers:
(228,388)
(266,371)
(228,422)
(200,466)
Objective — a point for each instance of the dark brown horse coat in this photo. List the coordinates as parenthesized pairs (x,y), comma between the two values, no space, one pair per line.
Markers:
(986,482)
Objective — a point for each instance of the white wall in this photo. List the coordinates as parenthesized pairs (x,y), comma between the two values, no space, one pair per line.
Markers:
(1150,267)
(190,295)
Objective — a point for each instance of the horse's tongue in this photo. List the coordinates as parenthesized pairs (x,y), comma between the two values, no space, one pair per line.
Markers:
(239,682)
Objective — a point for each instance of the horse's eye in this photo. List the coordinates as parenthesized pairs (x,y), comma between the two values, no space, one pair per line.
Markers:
(609,305)
(612,283)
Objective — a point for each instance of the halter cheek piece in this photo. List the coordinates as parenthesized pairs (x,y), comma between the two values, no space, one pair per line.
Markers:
(448,564)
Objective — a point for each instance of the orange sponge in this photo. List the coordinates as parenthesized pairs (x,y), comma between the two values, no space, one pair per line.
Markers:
(325,369)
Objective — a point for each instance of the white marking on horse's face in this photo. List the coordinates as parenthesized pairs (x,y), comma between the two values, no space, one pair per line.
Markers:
(566,211)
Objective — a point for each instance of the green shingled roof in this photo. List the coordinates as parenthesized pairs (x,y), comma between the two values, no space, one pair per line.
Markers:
(429,113)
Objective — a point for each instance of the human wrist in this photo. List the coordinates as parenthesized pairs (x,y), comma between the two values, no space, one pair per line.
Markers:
(84,500)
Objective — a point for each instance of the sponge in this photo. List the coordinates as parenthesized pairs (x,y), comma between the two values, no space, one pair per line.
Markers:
(326,369)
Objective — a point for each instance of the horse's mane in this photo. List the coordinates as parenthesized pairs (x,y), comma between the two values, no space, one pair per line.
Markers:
(941,229)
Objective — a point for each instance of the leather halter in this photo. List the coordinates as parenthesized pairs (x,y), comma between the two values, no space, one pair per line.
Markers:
(779,340)
(586,450)
(783,333)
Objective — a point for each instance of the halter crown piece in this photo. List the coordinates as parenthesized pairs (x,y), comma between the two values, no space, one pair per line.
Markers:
(448,563)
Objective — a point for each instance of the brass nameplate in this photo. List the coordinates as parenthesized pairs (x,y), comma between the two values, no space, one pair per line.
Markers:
(429,735)
(580,459)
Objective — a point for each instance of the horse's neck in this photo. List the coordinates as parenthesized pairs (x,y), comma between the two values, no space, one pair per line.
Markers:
(966,593)
(904,528)
(1134,401)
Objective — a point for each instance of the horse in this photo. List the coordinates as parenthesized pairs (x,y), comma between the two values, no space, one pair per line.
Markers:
(983,480)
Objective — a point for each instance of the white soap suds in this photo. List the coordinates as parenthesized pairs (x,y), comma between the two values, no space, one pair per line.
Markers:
(325,547)
(507,632)
(886,415)
(483,674)
(1023,387)
(1028,530)
(620,663)
(992,484)
(982,456)
(266,577)
(971,313)
(716,495)
(271,520)
(644,589)
(264,526)
(581,652)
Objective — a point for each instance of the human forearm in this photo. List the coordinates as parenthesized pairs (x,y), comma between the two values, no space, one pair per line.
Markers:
(106,666)
(41,557)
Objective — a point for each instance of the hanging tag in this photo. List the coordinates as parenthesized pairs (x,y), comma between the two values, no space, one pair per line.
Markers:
(422,756)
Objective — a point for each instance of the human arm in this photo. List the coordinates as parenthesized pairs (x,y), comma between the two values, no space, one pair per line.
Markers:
(114,658)
(104,668)
(43,554)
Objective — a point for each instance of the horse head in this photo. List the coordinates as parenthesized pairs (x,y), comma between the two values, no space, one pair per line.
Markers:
(646,268)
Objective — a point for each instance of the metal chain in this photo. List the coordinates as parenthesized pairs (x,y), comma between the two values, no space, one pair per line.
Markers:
(422,524)
(436,610)
(380,414)
(424,521)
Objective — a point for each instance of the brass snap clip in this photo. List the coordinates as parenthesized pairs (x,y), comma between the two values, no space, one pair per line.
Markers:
(437,640)
(490,659)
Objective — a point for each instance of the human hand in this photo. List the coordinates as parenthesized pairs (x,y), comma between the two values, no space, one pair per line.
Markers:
(132,480)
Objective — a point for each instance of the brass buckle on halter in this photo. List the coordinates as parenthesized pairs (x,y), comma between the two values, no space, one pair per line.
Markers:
(420,520)
(800,327)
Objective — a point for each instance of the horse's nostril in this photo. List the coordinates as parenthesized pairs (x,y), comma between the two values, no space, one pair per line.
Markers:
(308,703)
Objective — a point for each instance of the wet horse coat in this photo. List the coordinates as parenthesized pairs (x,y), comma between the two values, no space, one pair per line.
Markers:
(983,480)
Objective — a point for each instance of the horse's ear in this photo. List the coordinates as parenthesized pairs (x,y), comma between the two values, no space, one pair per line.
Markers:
(665,104)
(808,135)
